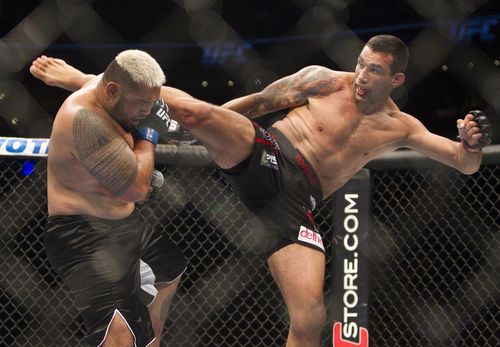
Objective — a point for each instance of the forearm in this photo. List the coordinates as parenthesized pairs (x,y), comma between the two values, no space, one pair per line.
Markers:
(140,187)
(446,151)
(468,161)
(454,154)
(287,92)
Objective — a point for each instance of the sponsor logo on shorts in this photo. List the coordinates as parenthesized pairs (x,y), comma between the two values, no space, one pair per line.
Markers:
(269,140)
(311,178)
(269,160)
(312,237)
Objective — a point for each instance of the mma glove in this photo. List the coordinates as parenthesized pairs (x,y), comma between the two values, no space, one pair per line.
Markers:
(157,181)
(156,124)
(484,125)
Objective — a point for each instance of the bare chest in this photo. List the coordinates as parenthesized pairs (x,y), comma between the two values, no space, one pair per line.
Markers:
(343,128)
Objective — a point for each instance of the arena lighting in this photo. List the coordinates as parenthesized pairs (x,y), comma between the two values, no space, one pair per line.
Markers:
(28,167)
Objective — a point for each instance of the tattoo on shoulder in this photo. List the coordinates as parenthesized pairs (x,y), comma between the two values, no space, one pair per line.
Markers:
(104,152)
(316,81)
(295,90)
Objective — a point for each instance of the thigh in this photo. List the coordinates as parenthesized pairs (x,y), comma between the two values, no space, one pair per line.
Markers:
(228,136)
(299,272)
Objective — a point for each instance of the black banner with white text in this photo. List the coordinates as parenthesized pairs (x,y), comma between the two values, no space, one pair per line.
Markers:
(350,267)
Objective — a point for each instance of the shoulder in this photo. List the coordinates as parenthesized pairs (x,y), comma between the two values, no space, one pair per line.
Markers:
(338,79)
(318,71)
(80,113)
(319,81)
(409,125)
(84,98)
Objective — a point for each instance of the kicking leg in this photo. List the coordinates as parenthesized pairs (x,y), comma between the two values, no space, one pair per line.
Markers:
(228,136)
(57,73)
(299,272)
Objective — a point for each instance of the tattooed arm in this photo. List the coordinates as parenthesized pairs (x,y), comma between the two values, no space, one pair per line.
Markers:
(290,91)
(106,156)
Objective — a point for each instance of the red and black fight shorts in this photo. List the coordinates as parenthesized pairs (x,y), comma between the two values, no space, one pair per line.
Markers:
(281,190)
(110,267)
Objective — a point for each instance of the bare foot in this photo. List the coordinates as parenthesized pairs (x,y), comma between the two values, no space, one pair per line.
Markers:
(57,73)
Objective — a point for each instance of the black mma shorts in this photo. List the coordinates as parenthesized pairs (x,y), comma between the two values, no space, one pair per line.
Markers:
(110,267)
(281,189)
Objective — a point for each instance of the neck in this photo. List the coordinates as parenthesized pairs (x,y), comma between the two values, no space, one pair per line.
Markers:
(368,108)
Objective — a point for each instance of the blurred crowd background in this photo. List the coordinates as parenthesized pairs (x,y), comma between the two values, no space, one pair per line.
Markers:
(435,251)
(217,50)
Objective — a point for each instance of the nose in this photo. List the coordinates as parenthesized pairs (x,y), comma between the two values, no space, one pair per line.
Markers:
(362,77)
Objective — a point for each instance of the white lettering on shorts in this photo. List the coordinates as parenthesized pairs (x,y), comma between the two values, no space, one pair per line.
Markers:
(269,160)
(312,237)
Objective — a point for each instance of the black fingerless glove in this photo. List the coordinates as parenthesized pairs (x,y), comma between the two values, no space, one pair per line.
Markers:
(156,124)
(484,125)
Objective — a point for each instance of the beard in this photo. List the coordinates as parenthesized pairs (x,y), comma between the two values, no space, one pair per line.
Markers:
(117,113)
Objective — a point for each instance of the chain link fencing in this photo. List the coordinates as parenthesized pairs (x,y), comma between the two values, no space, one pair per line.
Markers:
(435,261)
(435,243)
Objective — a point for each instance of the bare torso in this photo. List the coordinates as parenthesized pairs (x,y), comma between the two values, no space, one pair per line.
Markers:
(71,189)
(336,138)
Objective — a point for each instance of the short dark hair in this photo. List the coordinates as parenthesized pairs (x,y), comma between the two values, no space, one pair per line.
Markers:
(392,45)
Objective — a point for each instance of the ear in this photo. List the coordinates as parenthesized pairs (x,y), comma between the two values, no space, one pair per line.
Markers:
(112,89)
(398,79)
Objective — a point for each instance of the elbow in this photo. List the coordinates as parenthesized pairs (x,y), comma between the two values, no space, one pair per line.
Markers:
(470,170)
(136,193)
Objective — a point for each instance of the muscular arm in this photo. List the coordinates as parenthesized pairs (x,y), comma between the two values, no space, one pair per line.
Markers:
(106,155)
(439,148)
(287,92)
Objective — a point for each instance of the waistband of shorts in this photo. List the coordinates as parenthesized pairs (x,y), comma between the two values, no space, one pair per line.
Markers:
(89,218)
(298,159)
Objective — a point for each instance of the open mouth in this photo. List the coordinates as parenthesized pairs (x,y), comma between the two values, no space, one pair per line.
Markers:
(362,92)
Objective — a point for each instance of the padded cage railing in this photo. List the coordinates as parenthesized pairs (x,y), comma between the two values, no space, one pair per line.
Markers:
(434,257)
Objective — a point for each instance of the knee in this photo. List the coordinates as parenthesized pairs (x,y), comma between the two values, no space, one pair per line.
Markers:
(309,319)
